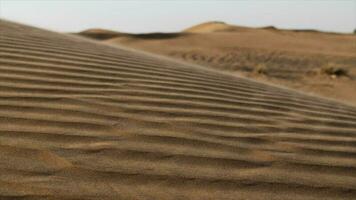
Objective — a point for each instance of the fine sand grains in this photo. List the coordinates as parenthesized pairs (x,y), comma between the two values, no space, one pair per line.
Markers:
(81,120)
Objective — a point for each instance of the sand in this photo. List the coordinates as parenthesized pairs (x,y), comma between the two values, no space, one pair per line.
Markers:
(296,59)
(84,120)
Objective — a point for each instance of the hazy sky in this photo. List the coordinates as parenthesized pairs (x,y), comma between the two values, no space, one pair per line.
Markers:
(175,15)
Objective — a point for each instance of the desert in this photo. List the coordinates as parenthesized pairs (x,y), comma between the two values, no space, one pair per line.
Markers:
(95,119)
(314,62)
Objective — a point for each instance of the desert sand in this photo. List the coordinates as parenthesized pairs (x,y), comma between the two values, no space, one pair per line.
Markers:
(83,120)
(315,62)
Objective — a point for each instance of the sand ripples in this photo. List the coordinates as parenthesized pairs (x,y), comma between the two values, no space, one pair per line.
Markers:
(81,120)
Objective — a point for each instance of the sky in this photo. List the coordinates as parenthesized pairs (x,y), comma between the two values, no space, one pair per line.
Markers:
(176,15)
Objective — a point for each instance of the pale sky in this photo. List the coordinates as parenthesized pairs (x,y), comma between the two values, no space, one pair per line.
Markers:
(175,15)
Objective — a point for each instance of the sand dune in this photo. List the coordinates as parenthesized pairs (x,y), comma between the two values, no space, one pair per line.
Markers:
(215,26)
(101,34)
(83,120)
(305,60)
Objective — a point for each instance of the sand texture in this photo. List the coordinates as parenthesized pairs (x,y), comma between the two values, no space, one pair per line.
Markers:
(84,120)
(310,61)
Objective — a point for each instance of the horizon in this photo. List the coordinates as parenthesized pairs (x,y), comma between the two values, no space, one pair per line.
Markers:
(160,16)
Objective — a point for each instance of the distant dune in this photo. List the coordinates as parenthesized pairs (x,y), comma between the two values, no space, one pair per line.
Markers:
(101,34)
(306,60)
(83,120)
(210,27)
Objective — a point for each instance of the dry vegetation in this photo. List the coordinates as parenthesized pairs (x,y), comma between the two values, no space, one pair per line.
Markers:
(335,72)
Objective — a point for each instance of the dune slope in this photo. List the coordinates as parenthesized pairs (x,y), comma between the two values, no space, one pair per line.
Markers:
(81,120)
